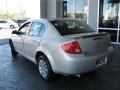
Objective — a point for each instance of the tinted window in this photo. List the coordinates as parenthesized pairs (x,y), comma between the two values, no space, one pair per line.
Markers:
(35,29)
(109,13)
(21,21)
(3,21)
(67,27)
(75,9)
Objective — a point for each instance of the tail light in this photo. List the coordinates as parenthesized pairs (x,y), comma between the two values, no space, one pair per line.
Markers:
(72,47)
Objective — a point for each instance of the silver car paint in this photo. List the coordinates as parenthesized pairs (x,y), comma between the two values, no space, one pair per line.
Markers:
(49,44)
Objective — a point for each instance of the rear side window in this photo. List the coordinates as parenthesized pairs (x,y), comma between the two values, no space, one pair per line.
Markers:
(68,27)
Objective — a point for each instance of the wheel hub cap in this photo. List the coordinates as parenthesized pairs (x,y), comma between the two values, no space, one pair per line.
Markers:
(43,68)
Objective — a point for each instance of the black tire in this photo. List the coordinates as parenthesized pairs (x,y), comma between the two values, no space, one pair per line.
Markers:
(49,73)
(12,27)
(13,52)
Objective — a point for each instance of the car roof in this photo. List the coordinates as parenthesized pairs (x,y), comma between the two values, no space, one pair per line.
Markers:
(63,19)
(36,20)
(46,20)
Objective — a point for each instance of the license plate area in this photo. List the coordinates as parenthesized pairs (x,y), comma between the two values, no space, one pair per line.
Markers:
(102,61)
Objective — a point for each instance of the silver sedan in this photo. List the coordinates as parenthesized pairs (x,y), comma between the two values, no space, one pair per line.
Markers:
(63,46)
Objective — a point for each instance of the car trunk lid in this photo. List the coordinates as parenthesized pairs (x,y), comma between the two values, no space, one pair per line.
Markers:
(92,43)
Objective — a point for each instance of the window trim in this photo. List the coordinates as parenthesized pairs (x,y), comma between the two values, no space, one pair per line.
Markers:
(44,30)
(24,26)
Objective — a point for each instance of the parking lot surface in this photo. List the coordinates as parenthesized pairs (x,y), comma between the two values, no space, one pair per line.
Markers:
(20,74)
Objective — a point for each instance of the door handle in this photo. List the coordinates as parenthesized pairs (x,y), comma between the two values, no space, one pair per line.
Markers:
(35,42)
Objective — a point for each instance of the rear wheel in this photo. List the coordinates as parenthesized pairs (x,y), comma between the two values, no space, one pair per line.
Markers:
(44,67)
(12,27)
(14,53)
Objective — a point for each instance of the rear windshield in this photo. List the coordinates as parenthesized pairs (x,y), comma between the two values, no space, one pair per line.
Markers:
(68,27)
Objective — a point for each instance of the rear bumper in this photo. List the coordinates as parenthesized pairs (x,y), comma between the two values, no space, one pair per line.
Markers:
(81,64)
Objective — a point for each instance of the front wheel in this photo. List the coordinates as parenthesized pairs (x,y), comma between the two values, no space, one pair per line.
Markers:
(14,53)
(45,69)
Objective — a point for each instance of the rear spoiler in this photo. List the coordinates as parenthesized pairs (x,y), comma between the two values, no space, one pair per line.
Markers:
(91,35)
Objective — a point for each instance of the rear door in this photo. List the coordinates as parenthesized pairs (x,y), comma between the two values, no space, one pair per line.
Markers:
(32,41)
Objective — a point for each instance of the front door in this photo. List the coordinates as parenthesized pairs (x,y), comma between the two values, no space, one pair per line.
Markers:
(19,38)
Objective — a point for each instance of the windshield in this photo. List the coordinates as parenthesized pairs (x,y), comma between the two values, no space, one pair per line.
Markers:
(68,27)
(21,21)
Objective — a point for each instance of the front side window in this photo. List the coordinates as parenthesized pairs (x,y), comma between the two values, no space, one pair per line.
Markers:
(68,27)
(35,29)
(25,28)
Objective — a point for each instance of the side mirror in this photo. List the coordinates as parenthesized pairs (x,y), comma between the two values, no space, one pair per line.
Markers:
(16,32)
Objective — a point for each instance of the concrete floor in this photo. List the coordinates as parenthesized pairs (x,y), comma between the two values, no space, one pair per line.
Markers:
(20,74)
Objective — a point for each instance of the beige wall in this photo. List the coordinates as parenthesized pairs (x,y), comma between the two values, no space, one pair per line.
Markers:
(59,8)
(43,8)
(93,13)
(54,8)
(51,8)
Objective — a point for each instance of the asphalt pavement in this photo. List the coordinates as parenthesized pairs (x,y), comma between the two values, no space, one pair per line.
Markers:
(21,74)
